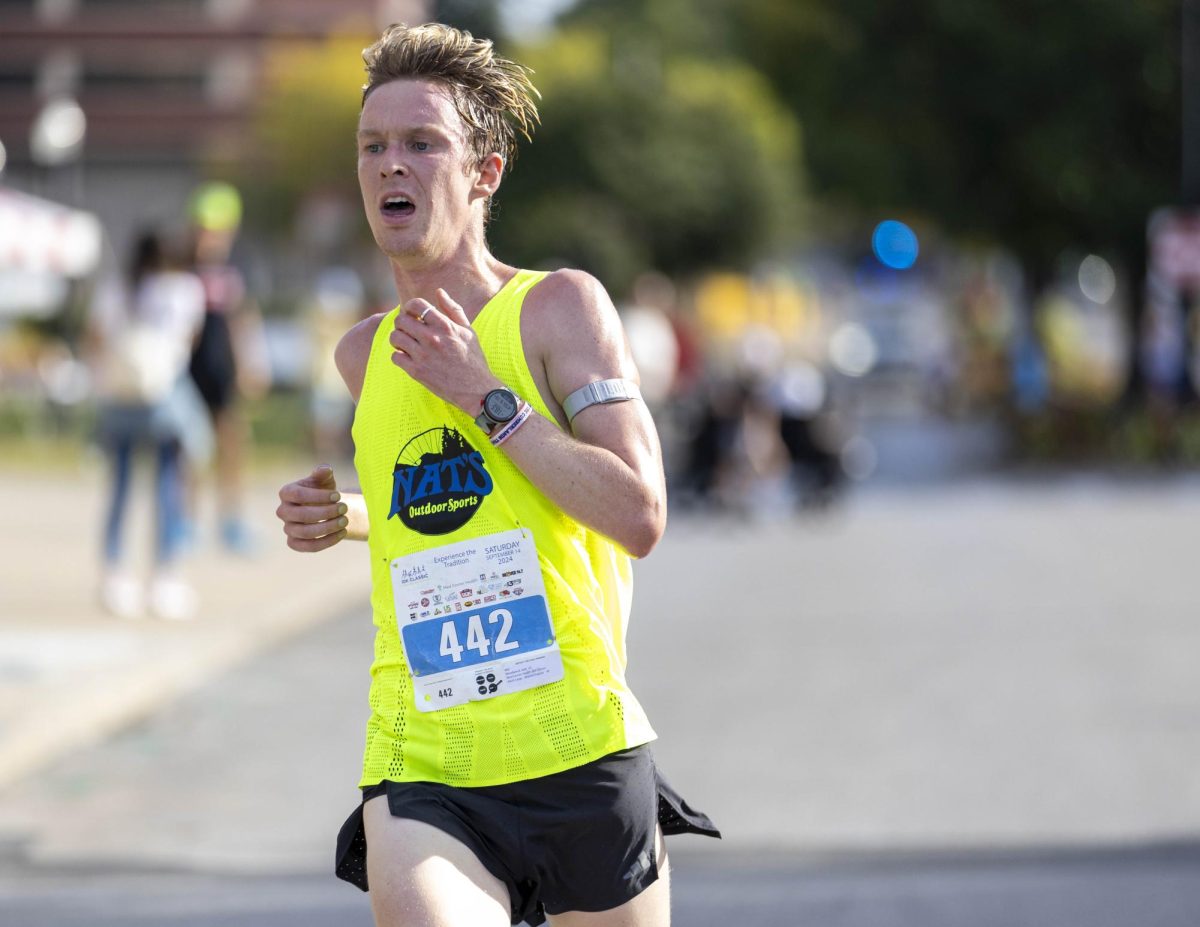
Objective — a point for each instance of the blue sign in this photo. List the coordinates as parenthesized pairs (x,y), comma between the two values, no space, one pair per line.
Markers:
(895,245)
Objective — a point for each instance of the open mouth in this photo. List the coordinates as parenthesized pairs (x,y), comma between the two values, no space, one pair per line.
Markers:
(398,206)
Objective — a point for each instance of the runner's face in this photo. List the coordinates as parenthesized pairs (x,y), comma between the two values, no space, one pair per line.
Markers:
(419,195)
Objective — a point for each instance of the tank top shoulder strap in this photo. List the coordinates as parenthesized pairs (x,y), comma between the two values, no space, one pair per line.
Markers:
(507,303)
(498,327)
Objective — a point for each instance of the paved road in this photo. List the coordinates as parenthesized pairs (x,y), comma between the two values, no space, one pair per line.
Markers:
(1150,887)
(156,814)
(966,706)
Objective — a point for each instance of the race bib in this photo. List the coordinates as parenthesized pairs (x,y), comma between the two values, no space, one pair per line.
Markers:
(473,620)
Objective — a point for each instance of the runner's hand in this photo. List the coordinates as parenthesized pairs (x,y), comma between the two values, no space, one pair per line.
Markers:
(437,347)
(313,515)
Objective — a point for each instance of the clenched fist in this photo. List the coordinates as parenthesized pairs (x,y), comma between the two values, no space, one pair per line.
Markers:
(312,511)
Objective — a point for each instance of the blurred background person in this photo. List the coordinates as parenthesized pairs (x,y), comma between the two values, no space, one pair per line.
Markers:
(228,362)
(337,303)
(800,395)
(710,434)
(143,334)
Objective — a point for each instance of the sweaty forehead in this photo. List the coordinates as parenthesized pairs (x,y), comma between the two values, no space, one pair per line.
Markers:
(406,103)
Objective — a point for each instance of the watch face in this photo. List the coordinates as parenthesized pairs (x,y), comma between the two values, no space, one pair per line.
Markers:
(500,405)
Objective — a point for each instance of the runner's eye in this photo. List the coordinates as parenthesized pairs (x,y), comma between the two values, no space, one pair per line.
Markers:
(420,146)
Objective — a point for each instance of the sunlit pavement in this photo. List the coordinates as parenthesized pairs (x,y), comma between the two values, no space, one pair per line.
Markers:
(983,664)
(1153,887)
(71,674)
(972,704)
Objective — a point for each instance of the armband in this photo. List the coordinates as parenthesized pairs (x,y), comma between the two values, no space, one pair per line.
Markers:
(599,391)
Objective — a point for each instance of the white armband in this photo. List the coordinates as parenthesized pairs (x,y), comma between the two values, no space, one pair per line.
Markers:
(599,391)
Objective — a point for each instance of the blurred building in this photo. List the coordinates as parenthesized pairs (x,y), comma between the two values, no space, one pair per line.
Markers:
(164,87)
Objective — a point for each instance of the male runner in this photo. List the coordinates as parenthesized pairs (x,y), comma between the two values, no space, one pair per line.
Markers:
(508,470)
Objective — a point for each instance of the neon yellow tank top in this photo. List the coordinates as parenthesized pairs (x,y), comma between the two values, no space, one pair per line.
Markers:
(587,714)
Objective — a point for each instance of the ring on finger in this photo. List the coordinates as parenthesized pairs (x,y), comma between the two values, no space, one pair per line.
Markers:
(424,312)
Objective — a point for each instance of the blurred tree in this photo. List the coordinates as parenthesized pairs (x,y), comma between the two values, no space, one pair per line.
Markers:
(1038,125)
(694,27)
(305,127)
(646,160)
(1041,125)
(481,18)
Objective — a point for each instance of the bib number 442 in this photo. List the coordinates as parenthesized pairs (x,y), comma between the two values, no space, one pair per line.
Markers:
(477,639)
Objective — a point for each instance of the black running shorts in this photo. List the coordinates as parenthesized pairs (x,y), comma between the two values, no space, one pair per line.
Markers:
(577,840)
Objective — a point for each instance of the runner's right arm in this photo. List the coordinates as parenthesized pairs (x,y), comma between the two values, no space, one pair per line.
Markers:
(316,516)
(314,513)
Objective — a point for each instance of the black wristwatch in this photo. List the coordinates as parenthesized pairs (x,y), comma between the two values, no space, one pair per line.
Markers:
(500,407)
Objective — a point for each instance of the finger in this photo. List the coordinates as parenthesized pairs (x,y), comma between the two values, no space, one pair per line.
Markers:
(423,311)
(451,308)
(402,339)
(309,514)
(409,334)
(416,309)
(310,532)
(311,547)
(404,361)
(321,477)
(300,494)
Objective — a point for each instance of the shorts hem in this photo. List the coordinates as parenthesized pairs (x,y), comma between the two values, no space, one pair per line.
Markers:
(459,811)
(451,827)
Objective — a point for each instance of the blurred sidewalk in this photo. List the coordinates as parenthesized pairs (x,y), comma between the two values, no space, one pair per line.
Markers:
(70,674)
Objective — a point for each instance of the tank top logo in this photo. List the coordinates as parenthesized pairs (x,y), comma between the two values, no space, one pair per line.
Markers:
(438,482)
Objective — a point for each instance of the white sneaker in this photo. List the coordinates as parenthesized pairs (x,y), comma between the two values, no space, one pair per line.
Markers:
(172,599)
(121,595)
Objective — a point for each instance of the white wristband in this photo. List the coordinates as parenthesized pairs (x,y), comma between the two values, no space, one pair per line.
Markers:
(518,420)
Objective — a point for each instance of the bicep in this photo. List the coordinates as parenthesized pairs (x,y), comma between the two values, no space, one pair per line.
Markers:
(580,335)
(627,430)
(591,345)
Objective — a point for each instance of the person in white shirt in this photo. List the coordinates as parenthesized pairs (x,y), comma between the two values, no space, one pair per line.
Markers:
(145,332)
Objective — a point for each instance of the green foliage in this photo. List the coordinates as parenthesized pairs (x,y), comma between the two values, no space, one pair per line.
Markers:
(674,162)
(1041,125)
(686,27)
(306,125)
(670,130)
(481,18)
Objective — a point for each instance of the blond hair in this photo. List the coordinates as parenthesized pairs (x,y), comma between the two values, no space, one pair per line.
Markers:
(493,95)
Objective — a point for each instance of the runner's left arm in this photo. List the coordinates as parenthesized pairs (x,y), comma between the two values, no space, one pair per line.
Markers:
(605,469)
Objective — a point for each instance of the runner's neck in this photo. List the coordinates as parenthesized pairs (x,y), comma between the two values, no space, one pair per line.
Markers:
(470,284)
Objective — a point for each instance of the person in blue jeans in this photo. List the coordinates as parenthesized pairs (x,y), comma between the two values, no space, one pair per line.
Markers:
(145,332)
